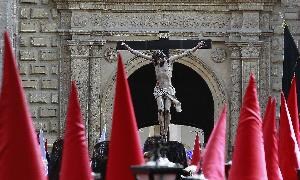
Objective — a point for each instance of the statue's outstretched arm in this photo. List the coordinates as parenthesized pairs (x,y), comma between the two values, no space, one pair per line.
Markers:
(137,53)
(187,52)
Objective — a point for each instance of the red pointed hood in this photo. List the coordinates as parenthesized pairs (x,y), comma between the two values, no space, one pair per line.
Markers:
(213,165)
(248,161)
(293,109)
(288,148)
(124,148)
(75,158)
(20,155)
(196,152)
(271,141)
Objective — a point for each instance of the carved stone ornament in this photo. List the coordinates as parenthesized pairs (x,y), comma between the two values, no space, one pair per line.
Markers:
(218,55)
(250,52)
(78,50)
(110,55)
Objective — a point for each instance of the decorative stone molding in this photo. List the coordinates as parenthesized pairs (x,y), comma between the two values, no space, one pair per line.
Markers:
(250,62)
(236,20)
(250,21)
(218,55)
(110,55)
(235,53)
(250,52)
(150,21)
(175,1)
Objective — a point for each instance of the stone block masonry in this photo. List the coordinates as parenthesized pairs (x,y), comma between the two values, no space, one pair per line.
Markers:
(38,62)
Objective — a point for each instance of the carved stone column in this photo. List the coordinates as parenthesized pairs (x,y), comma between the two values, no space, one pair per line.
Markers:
(244,59)
(80,72)
(250,54)
(86,57)
(235,94)
(95,125)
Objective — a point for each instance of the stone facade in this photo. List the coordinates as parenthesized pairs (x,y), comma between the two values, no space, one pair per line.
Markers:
(60,40)
(38,52)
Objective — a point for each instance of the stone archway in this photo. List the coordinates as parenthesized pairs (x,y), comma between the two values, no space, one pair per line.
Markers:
(214,84)
(191,90)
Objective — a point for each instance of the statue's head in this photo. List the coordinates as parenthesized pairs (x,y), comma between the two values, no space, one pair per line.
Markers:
(158,55)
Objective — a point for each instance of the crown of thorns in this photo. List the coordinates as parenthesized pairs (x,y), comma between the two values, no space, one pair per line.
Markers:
(158,53)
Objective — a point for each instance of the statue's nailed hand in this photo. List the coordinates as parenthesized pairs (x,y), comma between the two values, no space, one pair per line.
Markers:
(123,44)
(201,44)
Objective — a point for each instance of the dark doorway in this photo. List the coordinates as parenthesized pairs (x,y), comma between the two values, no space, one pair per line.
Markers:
(191,90)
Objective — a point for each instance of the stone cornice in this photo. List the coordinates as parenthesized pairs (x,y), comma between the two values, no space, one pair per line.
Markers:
(171,1)
(166,5)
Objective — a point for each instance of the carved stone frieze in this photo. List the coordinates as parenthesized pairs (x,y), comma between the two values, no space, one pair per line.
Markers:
(265,22)
(236,20)
(150,21)
(250,21)
(176,1)
(218,55)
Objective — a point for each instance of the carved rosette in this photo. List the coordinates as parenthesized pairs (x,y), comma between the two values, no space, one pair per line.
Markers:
(218,55)
(110,55)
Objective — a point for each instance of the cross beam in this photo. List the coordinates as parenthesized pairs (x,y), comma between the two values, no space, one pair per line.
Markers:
(164,44)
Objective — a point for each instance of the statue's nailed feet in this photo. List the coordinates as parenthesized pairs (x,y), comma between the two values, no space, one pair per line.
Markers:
(178,106)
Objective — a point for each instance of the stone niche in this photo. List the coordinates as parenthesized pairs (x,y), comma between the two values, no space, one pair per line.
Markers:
(89,31)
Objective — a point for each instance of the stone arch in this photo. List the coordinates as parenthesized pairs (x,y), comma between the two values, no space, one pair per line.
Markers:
(215,85)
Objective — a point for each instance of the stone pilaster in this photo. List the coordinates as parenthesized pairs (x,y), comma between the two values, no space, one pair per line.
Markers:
(80,72)
(85,69)
(235,93)
(8,15)
(250,55)
(95,119)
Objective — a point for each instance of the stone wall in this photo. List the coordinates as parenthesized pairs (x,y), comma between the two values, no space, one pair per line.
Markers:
(39,62)
(8,15)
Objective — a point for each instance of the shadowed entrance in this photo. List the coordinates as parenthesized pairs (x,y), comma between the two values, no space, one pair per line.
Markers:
(191,90)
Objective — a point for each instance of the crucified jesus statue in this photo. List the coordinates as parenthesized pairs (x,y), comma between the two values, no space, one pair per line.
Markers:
(164,92)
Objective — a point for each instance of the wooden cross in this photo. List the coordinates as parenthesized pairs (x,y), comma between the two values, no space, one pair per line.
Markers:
(164,44)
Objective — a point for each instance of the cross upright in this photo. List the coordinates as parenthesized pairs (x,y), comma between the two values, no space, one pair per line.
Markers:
(164,92)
